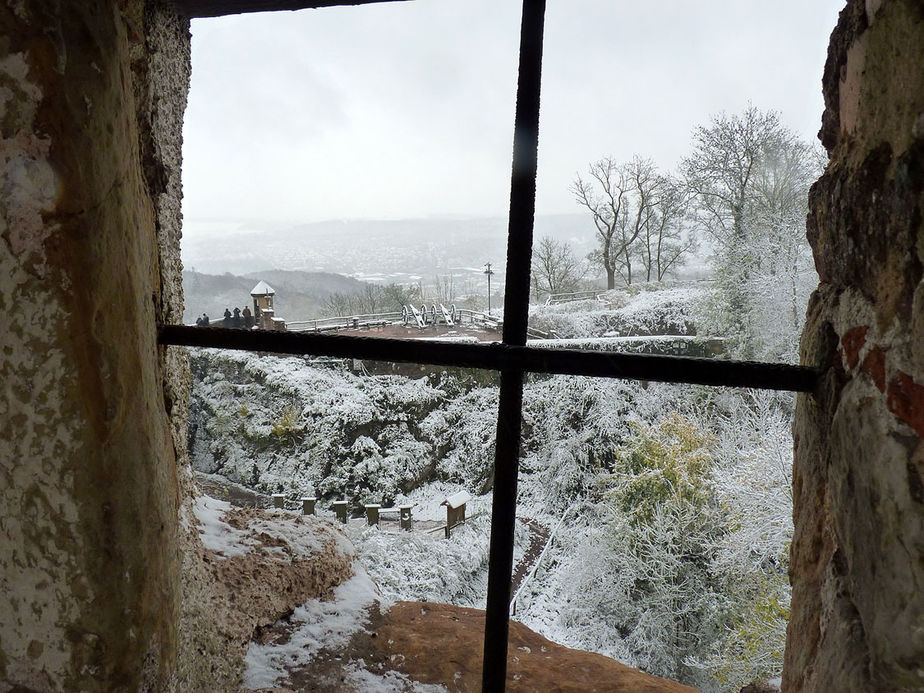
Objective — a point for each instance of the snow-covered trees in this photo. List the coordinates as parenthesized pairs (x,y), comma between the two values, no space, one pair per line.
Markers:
(664,600)
(674,557)
(744,189)
(753,485)
(672,503)
(748,177)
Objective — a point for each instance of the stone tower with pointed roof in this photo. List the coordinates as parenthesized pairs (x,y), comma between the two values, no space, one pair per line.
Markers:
(262,295)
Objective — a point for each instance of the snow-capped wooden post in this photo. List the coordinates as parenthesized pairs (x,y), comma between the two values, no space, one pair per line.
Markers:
(308,506)
(340,507)
(372,513)
(455,510)
(405,516)
(279,500)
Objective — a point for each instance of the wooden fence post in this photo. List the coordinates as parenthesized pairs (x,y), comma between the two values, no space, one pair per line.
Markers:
(340,507)
(308,506)
(279,500)
(372,513)
(405,515)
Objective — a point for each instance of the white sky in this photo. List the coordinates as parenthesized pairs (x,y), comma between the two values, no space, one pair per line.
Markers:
(406,109)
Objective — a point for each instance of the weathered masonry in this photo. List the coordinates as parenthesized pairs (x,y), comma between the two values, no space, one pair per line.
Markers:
(858,553)
(93,406)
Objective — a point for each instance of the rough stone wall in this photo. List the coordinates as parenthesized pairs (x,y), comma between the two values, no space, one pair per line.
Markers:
(89,262)
(858,553)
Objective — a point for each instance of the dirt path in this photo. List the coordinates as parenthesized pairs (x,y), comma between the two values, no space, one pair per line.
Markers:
(539,535)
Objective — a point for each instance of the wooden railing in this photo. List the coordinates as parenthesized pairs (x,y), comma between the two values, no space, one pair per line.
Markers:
(348,322)
(343,322)
(573,296)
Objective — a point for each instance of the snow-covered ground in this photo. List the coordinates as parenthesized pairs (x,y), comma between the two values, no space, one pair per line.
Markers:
(666,505)
(315,625)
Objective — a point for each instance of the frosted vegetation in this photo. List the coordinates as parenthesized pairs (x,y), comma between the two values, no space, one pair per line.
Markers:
(654,520)
(667,508)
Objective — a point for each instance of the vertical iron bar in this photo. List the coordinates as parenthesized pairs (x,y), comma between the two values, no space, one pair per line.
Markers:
(516,313)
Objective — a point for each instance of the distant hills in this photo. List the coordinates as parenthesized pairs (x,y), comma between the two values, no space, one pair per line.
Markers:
(317,259)
(400,250)
(299,295)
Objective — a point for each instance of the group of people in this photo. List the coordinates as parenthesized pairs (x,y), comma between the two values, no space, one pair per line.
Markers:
(240,318)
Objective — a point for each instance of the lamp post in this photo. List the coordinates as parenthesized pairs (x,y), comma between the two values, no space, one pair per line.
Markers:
(488,271)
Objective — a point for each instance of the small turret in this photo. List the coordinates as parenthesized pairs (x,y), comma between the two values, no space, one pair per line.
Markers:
(262,295)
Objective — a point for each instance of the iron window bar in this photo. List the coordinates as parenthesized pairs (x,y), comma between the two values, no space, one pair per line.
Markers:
(497,356)
(511,357)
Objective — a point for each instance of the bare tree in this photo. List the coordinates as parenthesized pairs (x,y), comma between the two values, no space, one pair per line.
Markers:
(555,268)
(396,296)
(664,240)
(621,199)
(339,304)
(370,299)
(445,288)
(646,190)
(604,195)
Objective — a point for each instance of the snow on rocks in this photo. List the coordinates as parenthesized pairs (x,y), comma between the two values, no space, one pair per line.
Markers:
(216,534)
(312,627)
(306,428)
(235,532)
(244,569)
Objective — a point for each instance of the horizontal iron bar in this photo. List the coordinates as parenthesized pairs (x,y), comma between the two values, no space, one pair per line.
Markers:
(498,356)
(220,8)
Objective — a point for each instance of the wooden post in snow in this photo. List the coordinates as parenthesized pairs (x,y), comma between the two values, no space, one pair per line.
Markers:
(405,517)
(455,510)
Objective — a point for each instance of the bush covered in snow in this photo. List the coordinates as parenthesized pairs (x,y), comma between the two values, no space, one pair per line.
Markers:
(286,425)
(639,310)
(672,554)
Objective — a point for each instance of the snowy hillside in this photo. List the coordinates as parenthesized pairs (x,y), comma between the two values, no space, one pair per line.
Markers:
(654,519)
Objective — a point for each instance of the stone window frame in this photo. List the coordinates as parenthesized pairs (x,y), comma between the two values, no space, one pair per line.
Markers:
(511,357)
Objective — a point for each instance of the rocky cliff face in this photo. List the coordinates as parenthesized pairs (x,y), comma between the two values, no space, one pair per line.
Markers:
(857,573)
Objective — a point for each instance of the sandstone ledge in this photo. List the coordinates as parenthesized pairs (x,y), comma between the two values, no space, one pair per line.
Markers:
(422,646)
(439,643)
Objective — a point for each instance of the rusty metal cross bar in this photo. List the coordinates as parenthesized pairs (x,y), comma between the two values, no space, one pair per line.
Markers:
(497,356)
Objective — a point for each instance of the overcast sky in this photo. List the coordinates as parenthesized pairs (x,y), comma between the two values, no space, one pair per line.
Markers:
(406,109)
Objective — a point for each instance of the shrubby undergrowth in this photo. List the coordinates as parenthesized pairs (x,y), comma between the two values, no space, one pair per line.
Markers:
(669,506)
(658,308)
